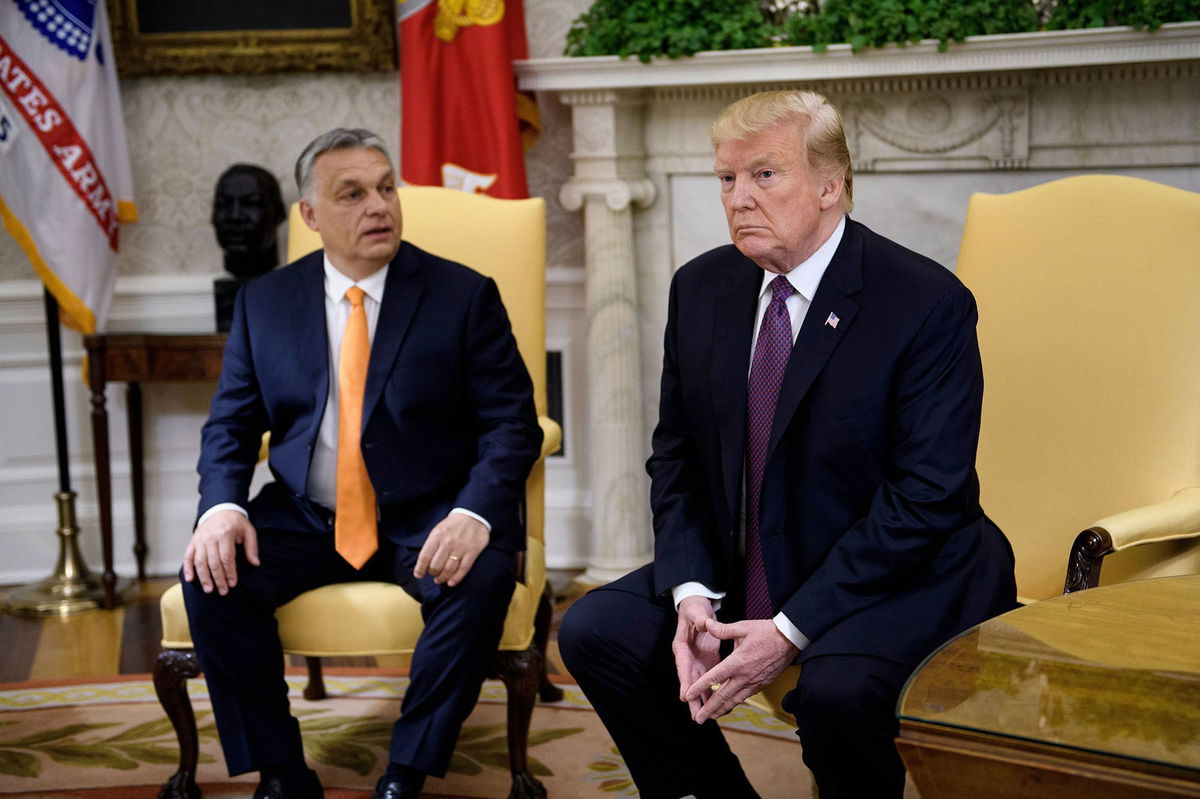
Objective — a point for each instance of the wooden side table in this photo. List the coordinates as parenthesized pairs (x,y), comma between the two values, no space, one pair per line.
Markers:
(133,359)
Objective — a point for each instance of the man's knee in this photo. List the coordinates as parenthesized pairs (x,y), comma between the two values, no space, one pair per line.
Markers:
(197,602)
(492,578)
(583,633)
(845,697)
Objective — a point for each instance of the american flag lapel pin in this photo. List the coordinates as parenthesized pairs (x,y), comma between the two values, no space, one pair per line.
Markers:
(833,320)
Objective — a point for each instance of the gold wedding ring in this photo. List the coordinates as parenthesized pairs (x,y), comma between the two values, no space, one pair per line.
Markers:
(454,557)
(714,686)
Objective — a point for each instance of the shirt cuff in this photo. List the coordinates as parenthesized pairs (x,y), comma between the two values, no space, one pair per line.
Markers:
(220,506)
(790,631)
(693,588)
(474,516)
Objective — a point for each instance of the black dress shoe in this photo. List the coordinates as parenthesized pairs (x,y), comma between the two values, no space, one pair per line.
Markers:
(408,787)
(308,787)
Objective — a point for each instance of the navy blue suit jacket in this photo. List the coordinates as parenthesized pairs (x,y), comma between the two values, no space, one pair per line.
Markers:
(448,414)
(873,536)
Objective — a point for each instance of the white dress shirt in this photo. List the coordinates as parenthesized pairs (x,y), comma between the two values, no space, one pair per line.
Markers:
(322,470)
(805,279)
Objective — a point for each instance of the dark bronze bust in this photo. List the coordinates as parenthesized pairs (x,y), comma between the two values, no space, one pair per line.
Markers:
(247,211)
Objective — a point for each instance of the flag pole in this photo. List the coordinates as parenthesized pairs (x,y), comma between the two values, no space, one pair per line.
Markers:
(72,588)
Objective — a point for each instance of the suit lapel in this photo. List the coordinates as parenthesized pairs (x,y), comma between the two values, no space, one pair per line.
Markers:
(401,296)
(820,334)
(311,334)
(734,308)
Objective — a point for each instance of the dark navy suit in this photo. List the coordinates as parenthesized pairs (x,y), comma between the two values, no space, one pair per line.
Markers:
(448,421)
(873,538)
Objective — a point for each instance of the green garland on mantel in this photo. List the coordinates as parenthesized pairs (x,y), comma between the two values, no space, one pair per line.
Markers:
(673,28)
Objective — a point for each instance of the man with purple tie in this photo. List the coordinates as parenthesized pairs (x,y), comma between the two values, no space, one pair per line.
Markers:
(813,480)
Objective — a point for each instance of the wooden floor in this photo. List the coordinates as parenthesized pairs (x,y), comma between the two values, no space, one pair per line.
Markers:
(126,640)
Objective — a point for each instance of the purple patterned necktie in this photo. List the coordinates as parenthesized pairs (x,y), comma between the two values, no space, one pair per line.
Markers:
(771,354)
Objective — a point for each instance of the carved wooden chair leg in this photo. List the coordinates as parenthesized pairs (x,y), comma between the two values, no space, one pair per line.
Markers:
(316,681)
(172,670)
(521,672)
(547,691)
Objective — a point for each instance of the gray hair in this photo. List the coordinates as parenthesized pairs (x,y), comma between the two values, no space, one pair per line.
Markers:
(336,139)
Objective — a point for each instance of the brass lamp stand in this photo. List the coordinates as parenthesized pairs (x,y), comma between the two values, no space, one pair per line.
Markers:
(72,588)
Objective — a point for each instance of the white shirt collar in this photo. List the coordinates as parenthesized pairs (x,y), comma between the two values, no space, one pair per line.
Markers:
(807,276)
(336,283)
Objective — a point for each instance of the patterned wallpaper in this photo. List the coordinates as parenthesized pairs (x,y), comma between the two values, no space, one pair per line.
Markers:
(184,131)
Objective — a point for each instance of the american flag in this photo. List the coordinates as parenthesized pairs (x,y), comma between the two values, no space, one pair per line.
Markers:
(833,320)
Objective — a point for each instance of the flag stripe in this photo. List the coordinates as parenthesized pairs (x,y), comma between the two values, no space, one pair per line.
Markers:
(64,145)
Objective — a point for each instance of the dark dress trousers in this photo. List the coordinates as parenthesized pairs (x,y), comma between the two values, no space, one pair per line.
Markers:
(448,421)
(873,538)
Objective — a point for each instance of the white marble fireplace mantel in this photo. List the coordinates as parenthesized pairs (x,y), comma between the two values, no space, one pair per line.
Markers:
(926,130)
(1178,41)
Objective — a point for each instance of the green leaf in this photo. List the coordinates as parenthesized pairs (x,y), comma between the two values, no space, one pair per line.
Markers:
(616,785)
(151,729)
(47,736)
(369,729)
(88,756)
(539,737)
(475,732)
(464,765)
(327,723)
(537,768)
(497,760)
(19,764)
(150,753)
(343,754)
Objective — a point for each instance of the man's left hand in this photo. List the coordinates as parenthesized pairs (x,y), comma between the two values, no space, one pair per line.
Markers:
(760,654)
(451,549)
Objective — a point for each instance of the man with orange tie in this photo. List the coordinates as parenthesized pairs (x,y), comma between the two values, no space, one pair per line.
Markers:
(402,430)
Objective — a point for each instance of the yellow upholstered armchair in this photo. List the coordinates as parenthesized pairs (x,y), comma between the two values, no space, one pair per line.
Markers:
(504,239)
(1088,324)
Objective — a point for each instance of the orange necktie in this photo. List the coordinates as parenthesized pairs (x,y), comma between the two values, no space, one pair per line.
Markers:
(354,527)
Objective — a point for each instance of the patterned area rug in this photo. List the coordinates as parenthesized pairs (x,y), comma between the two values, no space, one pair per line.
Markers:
(110,739)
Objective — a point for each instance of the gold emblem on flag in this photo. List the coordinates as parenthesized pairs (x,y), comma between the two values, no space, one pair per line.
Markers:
(455,14)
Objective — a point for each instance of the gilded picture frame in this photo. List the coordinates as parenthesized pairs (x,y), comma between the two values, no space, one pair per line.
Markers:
(363,41)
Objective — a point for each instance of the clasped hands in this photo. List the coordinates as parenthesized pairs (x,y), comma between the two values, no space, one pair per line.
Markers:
(448,554)
(711,686)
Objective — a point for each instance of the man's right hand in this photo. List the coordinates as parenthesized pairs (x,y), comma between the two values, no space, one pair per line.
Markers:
(696,650)
(211,555)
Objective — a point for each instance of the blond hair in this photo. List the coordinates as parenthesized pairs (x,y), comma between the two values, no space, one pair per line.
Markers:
(820,129)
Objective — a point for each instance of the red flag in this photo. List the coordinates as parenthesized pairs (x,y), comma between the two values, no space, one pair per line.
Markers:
(463,122)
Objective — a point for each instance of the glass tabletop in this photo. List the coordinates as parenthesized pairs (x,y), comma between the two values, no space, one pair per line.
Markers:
(1114,670)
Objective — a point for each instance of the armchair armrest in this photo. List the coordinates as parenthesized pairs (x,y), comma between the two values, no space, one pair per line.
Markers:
(551,435)
(1174,519)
